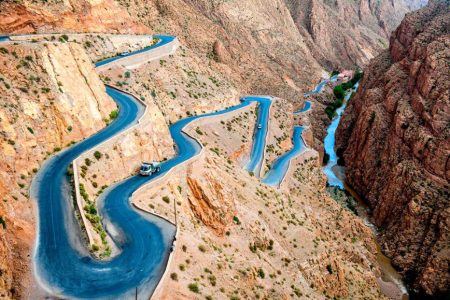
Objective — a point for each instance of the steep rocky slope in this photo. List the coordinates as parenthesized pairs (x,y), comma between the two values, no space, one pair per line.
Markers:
(241,239)
(31,16)
(50,96)
(394,137)
(272,47)
(363,28)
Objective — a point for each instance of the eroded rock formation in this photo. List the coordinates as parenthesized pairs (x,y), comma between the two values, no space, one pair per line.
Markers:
(50,96)
(68,16)
(394,137)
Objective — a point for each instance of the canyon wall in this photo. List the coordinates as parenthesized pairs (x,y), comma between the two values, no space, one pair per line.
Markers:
(275,47)
(394,137)
(347,33)
(50,97)
(39,16)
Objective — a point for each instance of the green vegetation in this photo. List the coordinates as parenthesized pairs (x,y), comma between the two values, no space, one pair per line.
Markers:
(193,287)
(199,131)
(174,276)
(261,273)
(166,199)
(64,38)
(30,130)
(326,158)
(3,222)
(114,114)
(97,155)
(329,269)
(339,92)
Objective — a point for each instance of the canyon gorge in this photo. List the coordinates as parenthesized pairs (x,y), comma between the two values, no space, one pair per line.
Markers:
(236,237)
(394,138)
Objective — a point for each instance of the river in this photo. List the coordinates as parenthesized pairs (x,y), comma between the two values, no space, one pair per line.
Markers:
(391,281)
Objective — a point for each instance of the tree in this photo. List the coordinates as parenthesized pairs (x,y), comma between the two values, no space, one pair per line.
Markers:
(339,92)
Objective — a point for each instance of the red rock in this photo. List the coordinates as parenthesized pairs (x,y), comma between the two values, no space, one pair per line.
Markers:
(395,140)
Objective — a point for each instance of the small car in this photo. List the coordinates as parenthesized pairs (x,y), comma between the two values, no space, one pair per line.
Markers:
(150,168)
(124,53)
(259,126)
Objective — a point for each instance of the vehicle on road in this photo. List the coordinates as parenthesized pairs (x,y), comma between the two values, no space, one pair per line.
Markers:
(124,53)
(259,126)
(150,168)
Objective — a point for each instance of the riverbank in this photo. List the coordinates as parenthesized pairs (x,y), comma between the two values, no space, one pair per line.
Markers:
(390,280)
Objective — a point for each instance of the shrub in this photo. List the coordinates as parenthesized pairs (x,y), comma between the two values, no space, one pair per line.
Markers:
(202,248)
(69,171)
(174,276)
(3,222)
(114,114)
(166,199)
(30,130)
(127,74)
(199,131)
(326,158)
(339,92)
(97,155)
(212,280)
(261,273)
(329,269)
(193,287)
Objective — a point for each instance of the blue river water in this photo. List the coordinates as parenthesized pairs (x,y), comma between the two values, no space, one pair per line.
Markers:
(259,138)
(329,143)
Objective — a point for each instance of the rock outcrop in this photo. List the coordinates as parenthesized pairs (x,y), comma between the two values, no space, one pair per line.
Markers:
(66,16)
(394,137)
(364,27)
(50,96)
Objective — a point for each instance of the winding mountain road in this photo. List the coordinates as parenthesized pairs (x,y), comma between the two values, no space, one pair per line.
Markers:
(259,138)
(279,168)
(321,85)
(62,264)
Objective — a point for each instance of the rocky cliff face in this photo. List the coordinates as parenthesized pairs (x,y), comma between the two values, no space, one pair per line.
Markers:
(50,96)
(364,27)
(25,16)
(288,41)
(394,137)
